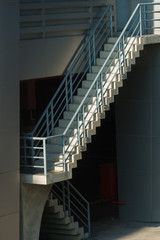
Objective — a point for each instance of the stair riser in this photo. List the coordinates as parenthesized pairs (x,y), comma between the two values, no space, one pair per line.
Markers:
(68,115)
(127,47)
(129,40)
(108,77)
(57,237)
(61,226)
(105,54)
(99,86)
(79,99)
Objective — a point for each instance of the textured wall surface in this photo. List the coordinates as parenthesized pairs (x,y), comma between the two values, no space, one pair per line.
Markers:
(33,199)
(138,139)
(9,119)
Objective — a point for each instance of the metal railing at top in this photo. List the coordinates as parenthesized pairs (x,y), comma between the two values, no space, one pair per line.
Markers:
(73,202)
(55,152)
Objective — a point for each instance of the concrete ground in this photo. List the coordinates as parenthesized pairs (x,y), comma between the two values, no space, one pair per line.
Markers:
(117,230)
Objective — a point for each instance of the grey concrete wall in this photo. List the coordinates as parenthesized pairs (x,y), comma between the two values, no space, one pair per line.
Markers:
(123,13)
(124,9)
(138,139)
(9,119)
(46,57)
(33,199)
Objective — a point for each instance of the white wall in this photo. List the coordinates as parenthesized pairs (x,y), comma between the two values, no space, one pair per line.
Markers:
(138,139)
(9,119)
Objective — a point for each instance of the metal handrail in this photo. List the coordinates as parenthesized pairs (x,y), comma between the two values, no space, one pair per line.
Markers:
(73,202)
(93,98)
(65,82)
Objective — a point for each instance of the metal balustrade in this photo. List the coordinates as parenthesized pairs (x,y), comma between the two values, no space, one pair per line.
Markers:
(73,202)
(36,152)
(81,64)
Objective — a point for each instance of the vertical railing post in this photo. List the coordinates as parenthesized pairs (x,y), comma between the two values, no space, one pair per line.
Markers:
(111,26)
(89,222)
(32,151)
(97,97)
(63,147)
(44,157)
(102,98)
(89,56)
(25,152)
(94,50)
(78,129)
(63,196)
(70,79)
(140,21)
(52,119)
(69,200)
(83,122)
(119,56)
(66,88)
(144,20)
(47,123)
(123,49)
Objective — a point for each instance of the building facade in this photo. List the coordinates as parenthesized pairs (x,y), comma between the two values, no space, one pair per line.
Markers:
(33,47)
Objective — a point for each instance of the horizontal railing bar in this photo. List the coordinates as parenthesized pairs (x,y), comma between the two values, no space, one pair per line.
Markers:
(71,185)
(143,12)
(151,20)
(32,166)
(85,224)
(58,5)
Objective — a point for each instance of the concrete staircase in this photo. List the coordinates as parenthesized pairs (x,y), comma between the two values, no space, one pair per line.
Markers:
(114,82)
(56,224)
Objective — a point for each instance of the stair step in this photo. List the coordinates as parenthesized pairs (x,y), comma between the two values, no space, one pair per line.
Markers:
(109,47)
(112,39)
(74,107)
(109,77)
(68,115)
(61,130)
(51,202)
(79,99)
(58,221)
(96,69)
(105,54)
(83,91)
(127,40)
(54,209)
(100,61)
(57,215)
(64,237)
(61,226)
(62,231)
(88,83)
(114,55)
